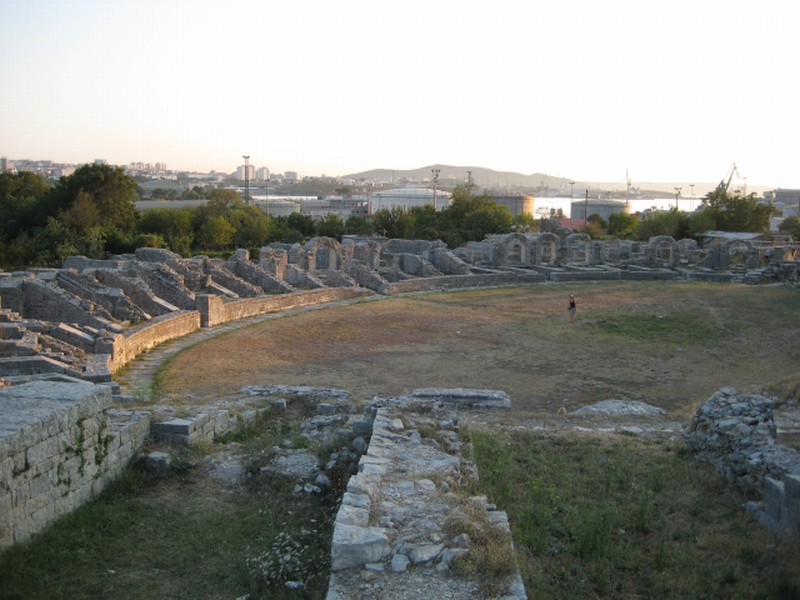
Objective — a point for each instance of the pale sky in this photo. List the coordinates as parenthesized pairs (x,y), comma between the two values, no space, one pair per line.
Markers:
(674,90)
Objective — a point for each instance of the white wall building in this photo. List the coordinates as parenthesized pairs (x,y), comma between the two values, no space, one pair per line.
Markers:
(408,197)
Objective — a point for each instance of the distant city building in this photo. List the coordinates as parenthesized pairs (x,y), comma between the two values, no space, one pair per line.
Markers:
(161,167)
(262,174)
(290,176)
(6,166)
(787,197)
(60,172)
(100,161)
(251,172)
(343,206)
(279,207)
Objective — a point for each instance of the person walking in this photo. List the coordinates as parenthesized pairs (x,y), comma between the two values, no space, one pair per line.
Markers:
(572,308)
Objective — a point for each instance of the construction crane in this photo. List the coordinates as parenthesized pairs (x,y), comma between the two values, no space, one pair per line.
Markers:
(724,185)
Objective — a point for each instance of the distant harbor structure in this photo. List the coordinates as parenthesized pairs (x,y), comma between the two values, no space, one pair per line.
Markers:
(517,204)
(583,209)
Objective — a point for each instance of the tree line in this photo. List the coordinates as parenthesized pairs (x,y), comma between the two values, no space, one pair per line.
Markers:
(93,213)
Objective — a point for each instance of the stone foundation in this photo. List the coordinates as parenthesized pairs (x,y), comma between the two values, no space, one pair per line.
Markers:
(59,447)
(737,434)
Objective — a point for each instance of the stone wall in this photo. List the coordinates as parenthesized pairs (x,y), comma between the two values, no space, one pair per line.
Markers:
(214,312)
(737,434)
(59,447)
(461,281)
(133,342)
(393,515)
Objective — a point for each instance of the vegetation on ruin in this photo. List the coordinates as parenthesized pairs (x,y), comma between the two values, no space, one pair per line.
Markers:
(619,516)
(184,534)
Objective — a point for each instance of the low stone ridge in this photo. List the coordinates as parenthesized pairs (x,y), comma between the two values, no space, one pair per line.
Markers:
(619,408)
(737,433)
(465,397)
(397,531)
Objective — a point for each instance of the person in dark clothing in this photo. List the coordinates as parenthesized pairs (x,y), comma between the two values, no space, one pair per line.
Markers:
(572,308)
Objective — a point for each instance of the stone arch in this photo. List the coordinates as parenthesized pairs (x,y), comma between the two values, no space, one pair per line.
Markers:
(664,251)
(547,246)
(325,253)
(578,248)
(740,252)
(514,249)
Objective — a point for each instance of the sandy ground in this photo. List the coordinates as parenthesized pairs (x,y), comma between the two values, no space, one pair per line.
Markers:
(519,340)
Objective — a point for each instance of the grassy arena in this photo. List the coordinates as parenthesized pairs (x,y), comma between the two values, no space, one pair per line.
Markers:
(593,516)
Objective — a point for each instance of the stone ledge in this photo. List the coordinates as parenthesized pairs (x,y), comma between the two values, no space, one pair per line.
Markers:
(465,397)
(392,520)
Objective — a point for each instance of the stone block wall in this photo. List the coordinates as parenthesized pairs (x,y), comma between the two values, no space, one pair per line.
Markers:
(140,339)
(214,312)
(59,446)
(461,281)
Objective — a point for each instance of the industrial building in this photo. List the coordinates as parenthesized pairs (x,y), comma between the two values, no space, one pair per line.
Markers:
(409,197)
(583,209)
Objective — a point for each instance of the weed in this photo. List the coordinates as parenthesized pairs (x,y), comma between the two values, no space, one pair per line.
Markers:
(622,519)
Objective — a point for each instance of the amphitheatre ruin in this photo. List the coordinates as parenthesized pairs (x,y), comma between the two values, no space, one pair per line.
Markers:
(71,338)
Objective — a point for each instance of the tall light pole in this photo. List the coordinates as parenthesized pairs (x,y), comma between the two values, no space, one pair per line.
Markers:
(691,185)
(435,180)
(246,179)
(677,194)
(571,184)
(266,185)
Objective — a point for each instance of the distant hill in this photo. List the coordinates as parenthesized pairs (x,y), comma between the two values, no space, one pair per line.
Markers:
(450,176)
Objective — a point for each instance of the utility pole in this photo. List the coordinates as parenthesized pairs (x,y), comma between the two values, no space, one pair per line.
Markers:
(586,209)
(677,194)
(246,179)
(435,180)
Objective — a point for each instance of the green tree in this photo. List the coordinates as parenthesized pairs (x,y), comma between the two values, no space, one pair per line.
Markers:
(621,225)
(737,212)
(20,195)
(701,221)
(464,201)
(525,222)
(219,199)
(174,226)
(251,224)
(303,223)
(331,225)
(356,225)
(490,218)
(471,216)
(790,225)
(216,234)
(396,222)
(109,189)
(428,222)
(672,223)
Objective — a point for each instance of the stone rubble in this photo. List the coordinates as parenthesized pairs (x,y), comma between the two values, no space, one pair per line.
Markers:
(393,535)
(737,433)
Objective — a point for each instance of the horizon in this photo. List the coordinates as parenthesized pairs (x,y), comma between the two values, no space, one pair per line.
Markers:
(701,185)
(664,92)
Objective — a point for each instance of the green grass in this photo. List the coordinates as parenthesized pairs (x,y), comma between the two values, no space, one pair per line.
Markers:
(679,328)
(627,518)
(175,536)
